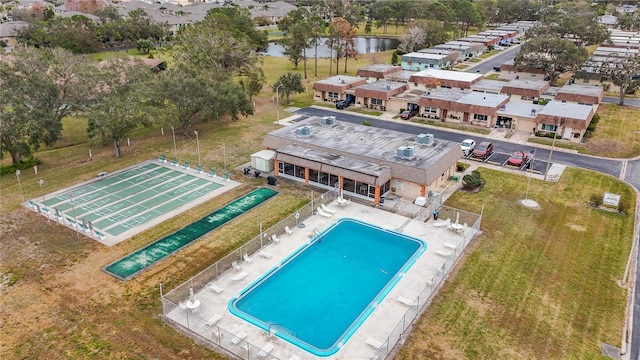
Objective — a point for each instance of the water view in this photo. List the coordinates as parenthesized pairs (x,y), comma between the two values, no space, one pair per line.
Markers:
(364,45)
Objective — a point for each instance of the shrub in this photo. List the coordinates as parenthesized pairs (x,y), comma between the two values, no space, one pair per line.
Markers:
(473,180)
(623,206)
(366,122)
(24,164)
(461,167)
(596,200)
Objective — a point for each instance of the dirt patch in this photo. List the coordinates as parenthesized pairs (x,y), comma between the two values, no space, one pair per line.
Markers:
(577,227)
(603,146)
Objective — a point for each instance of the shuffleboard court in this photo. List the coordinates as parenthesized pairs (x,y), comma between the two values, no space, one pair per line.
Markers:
(115,206)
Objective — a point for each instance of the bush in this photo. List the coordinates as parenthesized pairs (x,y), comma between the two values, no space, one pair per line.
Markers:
(366,122)
(623,206)
(473,180)
(461,167)
(596,200)
(24,164)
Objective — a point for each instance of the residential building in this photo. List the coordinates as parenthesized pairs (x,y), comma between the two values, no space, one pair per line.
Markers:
(336,87)
(375,72)
(9,31)
(469,107)
(377,95)
(430,78)
(580,94)
(419,61)
(569,120)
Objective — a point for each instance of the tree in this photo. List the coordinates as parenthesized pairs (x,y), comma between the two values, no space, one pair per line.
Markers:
(39,87)
(298,36)
(411,40)
(189,97)
(467,16)
(318,28)
(623,72)
(144,46)
(552,55)
(124,102)
(577,22)
(290,84)
(341,40)
(394,58)
(382,14)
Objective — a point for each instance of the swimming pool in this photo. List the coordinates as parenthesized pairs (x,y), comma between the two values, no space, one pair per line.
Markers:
(319,296)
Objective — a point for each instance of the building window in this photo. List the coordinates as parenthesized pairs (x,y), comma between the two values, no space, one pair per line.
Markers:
(549,127)
(332,95)
(376,101)
(480,117)
(428,109)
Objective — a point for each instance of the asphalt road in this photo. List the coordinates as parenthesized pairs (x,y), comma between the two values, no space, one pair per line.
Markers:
(629,170)
(487,65)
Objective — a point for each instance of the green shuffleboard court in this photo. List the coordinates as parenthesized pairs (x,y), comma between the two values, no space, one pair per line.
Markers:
(115,206)
(130,265)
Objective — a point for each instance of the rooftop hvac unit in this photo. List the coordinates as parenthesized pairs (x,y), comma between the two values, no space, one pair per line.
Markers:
(426,139)
(328,120)
(405,152)
(304,130)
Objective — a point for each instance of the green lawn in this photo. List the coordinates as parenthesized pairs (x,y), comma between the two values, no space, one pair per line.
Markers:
(537,284)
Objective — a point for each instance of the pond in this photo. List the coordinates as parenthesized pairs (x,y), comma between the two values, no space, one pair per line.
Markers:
(364,45)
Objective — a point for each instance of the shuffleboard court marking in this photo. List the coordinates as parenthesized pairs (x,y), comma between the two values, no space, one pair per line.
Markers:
(126,202)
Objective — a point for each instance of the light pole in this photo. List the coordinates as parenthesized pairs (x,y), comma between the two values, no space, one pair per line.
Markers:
(19,184)
(197,146)
(175,148)
(553,144)
(278,103)
(41,182)
(533,158)
(224,156)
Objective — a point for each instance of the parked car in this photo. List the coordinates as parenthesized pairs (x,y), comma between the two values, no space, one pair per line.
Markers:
(518,158)
(467,146)
(498,48)
(343,104)
(408,114)
(483,150)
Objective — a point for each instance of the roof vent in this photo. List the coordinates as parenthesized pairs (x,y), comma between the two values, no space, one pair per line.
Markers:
(426,139)
(388,87)
(533,111)
(502,107)
(304,130)
(406,152)
(328,120)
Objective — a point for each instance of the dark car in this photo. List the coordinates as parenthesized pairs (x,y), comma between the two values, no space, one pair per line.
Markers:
(483,150)
(408,114)
(343,104)
(518,158)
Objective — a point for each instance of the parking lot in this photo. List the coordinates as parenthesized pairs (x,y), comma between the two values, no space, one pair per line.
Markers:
(537,166)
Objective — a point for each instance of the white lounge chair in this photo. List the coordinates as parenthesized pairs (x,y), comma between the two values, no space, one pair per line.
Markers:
(442,223)
(237,338)
(405,301)
(266,349)
(213,320)
(275,239)
(374,343)
(247,258)
(239,276)
(327,209)
(444,253)
(214,288)
(236,266)
(182,305)
(450,245)
(287,230)
(264,254)
(322,213)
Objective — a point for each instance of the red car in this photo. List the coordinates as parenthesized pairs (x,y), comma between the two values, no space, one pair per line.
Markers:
(519,158)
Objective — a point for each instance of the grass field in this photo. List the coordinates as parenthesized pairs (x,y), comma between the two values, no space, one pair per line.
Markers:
(537,284)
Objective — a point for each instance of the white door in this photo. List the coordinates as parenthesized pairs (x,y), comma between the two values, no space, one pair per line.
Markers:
(567,133)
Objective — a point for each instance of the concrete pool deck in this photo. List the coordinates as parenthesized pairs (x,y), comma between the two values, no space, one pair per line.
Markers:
(441,244)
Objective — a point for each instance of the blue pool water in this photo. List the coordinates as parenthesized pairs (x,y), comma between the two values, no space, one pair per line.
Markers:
(318,297)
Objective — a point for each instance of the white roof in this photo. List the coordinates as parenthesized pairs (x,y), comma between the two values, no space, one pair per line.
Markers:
(420,55)
(483,99)
(570,110)
(448,75)
(264,154)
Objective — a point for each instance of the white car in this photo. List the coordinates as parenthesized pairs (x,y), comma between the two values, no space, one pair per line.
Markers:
(498,48)
(467,146)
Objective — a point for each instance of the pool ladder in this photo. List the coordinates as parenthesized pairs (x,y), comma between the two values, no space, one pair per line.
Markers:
(315,232)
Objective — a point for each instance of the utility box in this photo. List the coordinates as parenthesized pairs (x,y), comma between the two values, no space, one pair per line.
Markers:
(263,160)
